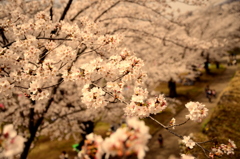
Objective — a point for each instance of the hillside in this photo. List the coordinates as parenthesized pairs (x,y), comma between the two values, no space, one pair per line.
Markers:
(224,122)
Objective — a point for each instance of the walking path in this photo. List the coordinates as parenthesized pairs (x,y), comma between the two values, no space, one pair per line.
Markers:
(171,146)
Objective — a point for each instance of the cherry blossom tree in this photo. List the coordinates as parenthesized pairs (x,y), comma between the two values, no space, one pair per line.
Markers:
(49,69)
(218,22)
(160,36)
(134,19)
(58,70)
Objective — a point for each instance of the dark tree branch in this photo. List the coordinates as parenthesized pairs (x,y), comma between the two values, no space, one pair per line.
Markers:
(33,64)
(54,85)
(127,17)
(51,13)
(42,56)
(204,28)
(105,11)
(138,37)
(31,120)
(155,11)
(203,149)
(184,52)
(64,39)
(179,124)
(21,87)
(152,35)
(63,116)
(5,40)
(62,65)
(66,10)
(2,69)
(83,10)
(38,122)
(9,44)
(80,51)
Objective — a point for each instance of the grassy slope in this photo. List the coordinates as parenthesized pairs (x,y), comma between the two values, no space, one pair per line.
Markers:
(224,123)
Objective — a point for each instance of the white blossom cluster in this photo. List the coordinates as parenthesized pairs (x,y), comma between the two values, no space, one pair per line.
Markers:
(188,141)
(116,89)
(219,151)
(87,68)
(197,111)
(141,107)
(125,141)
(5,86)
(36,90)
(184,156)
(11,143)
(172,123)
(93,97)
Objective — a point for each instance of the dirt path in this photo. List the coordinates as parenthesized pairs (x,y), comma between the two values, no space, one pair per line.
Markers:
(170,141)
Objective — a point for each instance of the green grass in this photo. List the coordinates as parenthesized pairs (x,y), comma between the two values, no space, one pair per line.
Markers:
(51,149)
(101,128)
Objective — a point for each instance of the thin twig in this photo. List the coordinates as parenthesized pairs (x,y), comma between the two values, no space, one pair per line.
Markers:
(152,35)
(8,74)
(105,11)
(20,87)
(61,66)
(117,78)
(9,44)
(83,10)
(203,149)
(205,142)
(178,124)
(54,85)
(157,122)
(181,137)
(109,93)
(54,38)
(33,64)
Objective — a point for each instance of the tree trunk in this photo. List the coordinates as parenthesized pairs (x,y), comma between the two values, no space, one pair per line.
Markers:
(217,64)
(206,67)
(87,129)
(206,63)
(172,88)
(28,144)
(33,128)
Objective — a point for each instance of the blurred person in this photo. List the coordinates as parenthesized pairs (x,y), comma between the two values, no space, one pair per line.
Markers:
(64,155)
(160,140)
(214,93)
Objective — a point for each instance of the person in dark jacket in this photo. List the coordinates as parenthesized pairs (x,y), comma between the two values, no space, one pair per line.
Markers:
(160,140)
